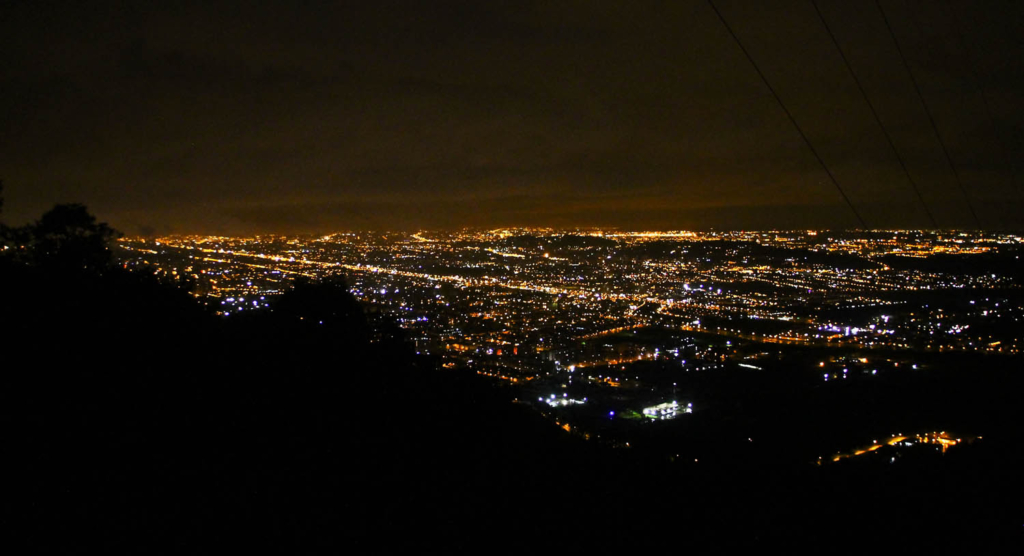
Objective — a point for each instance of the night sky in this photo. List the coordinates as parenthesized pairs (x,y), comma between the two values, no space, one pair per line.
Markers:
(241,117)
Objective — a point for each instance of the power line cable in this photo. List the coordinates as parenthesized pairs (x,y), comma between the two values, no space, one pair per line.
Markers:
(971,65)
(874,113)
(788,114)
(928,112)
(944,56)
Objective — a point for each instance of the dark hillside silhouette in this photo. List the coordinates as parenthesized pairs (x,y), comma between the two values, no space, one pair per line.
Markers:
(141,420)
(138,421)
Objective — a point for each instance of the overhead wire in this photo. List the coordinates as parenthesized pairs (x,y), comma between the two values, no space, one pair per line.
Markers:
(878,120)
(928,112)
(944,56)
(971,66)
(789,115)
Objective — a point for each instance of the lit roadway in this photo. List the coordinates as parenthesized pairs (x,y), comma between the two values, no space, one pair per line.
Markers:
(577,292)
(871,448)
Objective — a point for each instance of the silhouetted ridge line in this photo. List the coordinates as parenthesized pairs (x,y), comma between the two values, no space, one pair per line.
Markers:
(788,115)
(878,120)
(928,112)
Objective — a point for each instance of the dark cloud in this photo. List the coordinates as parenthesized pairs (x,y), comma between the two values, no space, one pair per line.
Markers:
(292,116)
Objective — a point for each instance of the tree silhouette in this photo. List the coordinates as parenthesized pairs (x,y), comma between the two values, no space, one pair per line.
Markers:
(9,237)
(69,238)
(325,301)
(3,229)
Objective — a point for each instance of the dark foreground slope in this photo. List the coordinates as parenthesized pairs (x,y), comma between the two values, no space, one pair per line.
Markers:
(135,421)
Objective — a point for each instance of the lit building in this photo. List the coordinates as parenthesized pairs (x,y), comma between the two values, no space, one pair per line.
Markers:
(667,410)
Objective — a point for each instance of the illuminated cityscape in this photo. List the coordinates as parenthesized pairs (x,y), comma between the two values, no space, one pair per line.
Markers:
(602,326)
(464,276)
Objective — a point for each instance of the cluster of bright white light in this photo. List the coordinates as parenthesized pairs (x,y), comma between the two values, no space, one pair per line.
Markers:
(565,400)
(667,410)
